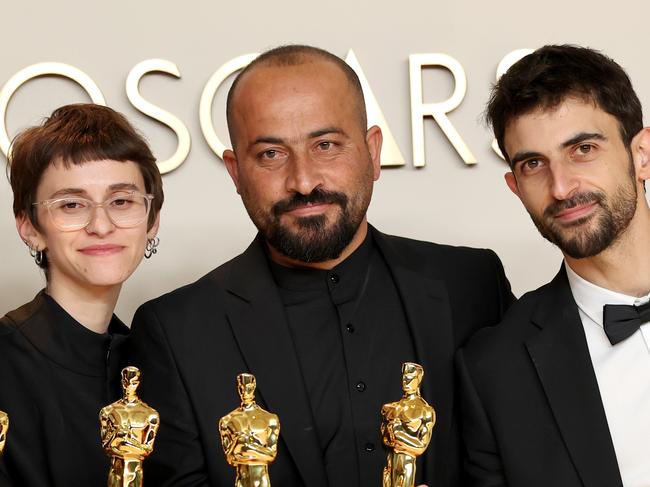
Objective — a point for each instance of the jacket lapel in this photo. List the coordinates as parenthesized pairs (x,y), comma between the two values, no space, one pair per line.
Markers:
(561,356)
(428,313)
(258,322)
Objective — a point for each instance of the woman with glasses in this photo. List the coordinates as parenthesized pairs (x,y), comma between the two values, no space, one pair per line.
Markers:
(87,193)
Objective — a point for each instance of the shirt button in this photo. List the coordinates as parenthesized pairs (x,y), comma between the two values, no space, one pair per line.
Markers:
(334,278)
(349,327)
(370,447)
(361,386)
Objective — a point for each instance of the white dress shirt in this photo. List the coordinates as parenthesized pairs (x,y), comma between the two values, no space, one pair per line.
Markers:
(623,375)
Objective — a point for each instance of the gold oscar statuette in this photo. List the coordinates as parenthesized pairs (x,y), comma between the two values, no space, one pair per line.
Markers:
(4,427)
(406,427)
(128,430)
(249,436)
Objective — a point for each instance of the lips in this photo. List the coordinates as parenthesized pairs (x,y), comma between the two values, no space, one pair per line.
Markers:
(314,202)
(101,249)
(576,209)
(576,212)
(308,209)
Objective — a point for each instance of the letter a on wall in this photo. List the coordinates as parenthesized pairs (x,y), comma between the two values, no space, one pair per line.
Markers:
(390,153)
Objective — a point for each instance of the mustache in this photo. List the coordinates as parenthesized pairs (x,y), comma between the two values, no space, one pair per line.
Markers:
(315,197)
(579,199)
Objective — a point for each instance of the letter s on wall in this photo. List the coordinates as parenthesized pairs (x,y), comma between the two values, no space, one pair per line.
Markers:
(157,113)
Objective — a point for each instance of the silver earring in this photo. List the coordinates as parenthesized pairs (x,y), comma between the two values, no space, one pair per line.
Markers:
(37,255)
(150,248)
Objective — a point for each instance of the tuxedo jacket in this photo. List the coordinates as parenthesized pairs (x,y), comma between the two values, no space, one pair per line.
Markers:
(532,414)
(191,344)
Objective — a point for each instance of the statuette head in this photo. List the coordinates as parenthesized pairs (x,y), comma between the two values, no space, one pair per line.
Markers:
(412,375)
(246,385)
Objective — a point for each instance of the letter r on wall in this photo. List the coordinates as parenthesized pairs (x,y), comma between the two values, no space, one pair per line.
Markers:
(439,110)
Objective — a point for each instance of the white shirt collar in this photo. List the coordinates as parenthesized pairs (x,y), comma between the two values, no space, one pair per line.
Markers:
(591,298)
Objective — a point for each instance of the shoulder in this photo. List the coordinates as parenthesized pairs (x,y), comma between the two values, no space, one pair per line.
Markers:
(436,258)
(510,334)
(14,320)
(207,289)
(469,274)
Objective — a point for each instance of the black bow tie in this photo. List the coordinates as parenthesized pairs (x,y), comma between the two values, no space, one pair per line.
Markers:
(622,320)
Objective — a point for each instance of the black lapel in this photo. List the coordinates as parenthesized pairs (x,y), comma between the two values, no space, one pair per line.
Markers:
(258,322)
(428,313)
(561,356)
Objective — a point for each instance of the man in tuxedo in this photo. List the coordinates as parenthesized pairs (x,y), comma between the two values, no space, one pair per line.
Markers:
(559,393)
(322,308)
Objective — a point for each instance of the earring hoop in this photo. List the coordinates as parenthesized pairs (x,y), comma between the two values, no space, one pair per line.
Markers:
(151,247)
(37,255)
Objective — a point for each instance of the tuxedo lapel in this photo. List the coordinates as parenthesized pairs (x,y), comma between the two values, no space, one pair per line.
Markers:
(561,357)
(428,313)
(257,318)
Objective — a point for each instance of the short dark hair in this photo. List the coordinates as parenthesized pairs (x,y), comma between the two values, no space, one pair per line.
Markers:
(553,73)
(294,55)
(76,134)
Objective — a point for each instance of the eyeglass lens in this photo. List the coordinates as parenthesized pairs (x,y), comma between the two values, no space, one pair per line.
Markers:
(124,211)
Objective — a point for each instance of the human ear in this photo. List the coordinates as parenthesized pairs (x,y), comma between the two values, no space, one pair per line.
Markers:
(374,139)
(230,160)
(511,181)
(29,234)
(640,148)
(153,231)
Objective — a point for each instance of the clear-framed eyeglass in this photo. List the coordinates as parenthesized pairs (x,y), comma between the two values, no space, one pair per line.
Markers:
(125,210)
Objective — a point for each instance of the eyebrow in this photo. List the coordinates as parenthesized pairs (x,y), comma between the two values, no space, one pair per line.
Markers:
(311,135)
(82,192)
(581,137)
(325,131)
(520,156)
(267,140)
(127,186)
(576,139)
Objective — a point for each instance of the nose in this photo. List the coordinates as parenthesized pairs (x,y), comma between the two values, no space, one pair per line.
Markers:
(100,224)
(564,180)
(304,175)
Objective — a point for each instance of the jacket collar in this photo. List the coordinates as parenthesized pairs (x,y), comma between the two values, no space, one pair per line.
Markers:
(561,357)
(64,340)
(428,313)
(260,327)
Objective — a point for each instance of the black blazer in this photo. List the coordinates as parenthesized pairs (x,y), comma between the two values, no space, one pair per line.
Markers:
(190,345)
(532,413)
(54,378)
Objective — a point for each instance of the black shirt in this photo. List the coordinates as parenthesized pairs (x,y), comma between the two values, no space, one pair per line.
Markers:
(54,379)
(351,337)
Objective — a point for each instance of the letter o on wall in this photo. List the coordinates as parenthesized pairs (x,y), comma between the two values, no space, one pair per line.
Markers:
(34,71)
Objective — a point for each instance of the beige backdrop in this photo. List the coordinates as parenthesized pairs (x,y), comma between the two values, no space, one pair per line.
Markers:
(203,221)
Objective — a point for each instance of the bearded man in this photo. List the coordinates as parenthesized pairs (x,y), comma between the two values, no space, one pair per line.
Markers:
(322,308)
(559,393)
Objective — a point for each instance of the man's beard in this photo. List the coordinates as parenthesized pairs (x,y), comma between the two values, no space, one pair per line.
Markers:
(315,240)
(611,220)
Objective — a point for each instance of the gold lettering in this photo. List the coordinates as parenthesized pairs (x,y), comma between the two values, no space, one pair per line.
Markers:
(439,110)
(207,97)
(157,113)
(37,70)
(390,153)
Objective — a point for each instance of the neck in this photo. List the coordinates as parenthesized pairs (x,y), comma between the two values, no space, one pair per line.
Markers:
(130,397)
(354,244)
(91,306)
(623,267)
